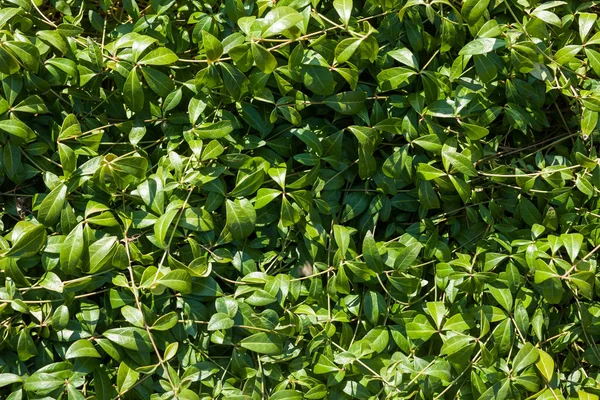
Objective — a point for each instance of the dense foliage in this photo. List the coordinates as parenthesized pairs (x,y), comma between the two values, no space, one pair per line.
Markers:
(299,199)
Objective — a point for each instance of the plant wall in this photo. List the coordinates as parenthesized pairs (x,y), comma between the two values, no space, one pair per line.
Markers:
(299,199)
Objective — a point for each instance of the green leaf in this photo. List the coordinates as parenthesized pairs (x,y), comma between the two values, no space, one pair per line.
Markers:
(346,48)
(325,365)
(344,9)
(82,348)
(548,17)
(455,344)
(30,240)
(241,218)
(279,20)
(162,225)
(290,213)
(472,10)
(133,94)
(126,377)
(525,357)
(586,23)
(566,54)
(9,379)
(158,82)
(420,330)
(130,338)
(25,346)
(52,205)
(263,58)
(60,318)
(404,56)
(263,343)
(374,306)
(95,53)
(545,365)
(318,79)
(160,56)
(52,282)
(71,251)
(32,104)
(212,46)
(529,212)
(482,46)
(42,381)
(572,243)
(394,78)
(8,13)
(70,129)
(215,130)
(133,316)
(347,103)
(219,321)
(428,172)
(589,119)
(178,280)
(371,253)
(165,322)
(287,395)
(427,196)
(502,295)
(101,252)
(474,132)
(196,219)
(68,159)
(19,131)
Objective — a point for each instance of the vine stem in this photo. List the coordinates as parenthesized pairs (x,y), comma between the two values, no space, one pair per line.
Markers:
(134,289)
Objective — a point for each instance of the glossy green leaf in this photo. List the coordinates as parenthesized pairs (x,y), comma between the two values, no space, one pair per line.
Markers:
(279,20)
(51,206)
(133,93)
(160,56)
(29,241)
(263,343)
(241,218)
(82,348)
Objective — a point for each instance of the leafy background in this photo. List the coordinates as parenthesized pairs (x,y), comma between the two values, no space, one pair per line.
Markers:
(299,199)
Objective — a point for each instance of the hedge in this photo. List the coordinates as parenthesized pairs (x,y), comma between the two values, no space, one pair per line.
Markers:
(299,199)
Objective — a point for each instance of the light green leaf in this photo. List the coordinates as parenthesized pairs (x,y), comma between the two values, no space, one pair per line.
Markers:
(482,46)
(572,243)
(212,46)
(178,280)
(219,321)
(135,339)
(455,344)
(344,9)
(160,56)
(82,348)
(545,365)
(263,343)
(20,132)
(263,58)
(165,322)
(215,130)
(9,379)
(279,20)
(473,10)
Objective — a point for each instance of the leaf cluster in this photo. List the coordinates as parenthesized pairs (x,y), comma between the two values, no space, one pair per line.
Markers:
(299,199)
